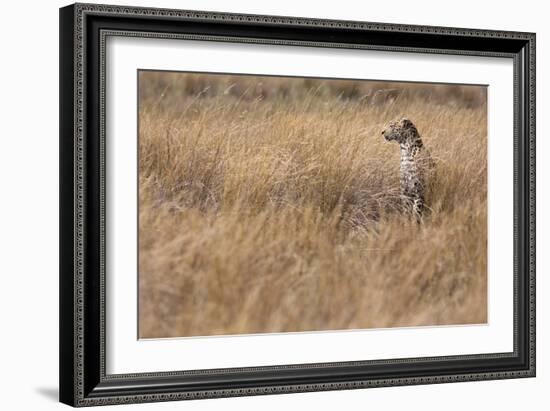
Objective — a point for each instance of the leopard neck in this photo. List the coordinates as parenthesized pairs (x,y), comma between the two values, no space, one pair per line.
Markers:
(411,147)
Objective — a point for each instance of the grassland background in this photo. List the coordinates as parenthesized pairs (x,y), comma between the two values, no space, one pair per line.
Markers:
(272,204)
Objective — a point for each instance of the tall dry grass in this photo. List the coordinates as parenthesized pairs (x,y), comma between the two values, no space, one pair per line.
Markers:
(272,205)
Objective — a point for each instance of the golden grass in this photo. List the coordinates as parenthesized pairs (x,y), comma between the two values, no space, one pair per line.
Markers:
(272,205)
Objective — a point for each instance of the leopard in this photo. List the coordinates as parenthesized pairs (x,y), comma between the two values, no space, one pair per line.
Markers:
(415,166)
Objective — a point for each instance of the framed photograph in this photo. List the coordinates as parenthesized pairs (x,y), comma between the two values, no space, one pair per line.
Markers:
(261,204)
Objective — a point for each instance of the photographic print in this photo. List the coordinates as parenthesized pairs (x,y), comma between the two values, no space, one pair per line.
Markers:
(259,204)
(272,204)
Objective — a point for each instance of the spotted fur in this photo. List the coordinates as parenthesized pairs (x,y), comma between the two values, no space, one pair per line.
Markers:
(415,163)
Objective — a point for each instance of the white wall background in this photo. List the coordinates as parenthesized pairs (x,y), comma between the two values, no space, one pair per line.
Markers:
(29,204)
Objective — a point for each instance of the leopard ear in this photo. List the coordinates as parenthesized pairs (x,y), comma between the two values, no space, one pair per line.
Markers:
(405,122)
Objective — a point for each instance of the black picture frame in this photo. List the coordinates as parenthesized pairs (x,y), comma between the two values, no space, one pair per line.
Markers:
(83,29)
